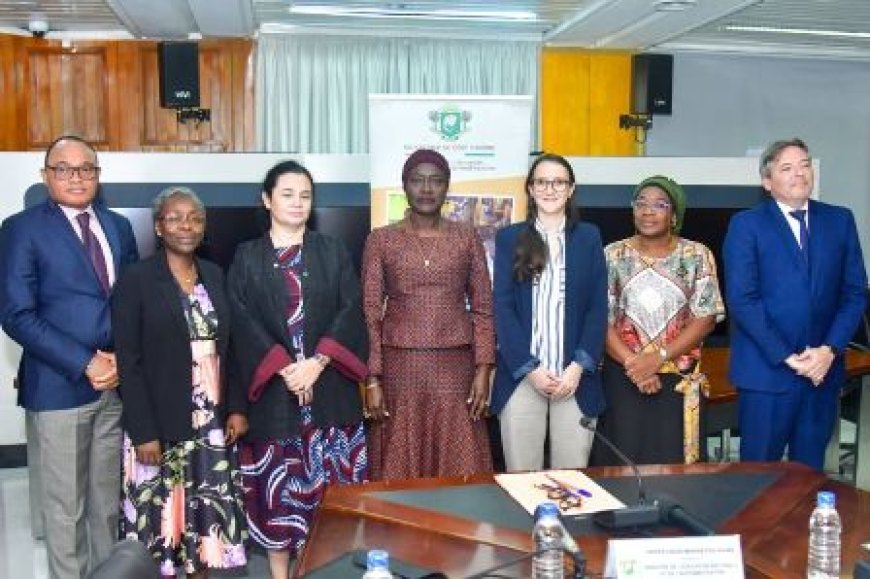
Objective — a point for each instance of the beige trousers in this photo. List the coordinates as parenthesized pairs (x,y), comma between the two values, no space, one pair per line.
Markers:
(524,423)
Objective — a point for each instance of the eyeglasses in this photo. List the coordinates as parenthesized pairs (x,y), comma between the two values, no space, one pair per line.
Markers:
(435,181)
(64,172)
(656,206)
(174,220)
(558,185)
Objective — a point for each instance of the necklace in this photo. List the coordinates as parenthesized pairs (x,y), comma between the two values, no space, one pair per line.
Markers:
(420,242)
(188,278)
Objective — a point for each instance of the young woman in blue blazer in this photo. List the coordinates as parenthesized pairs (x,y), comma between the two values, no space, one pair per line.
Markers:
(550,294)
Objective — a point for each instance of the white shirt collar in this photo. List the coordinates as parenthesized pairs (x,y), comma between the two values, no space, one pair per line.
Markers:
(786,209)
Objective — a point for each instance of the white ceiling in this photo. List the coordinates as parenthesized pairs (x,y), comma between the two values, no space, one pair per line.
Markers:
(825,28)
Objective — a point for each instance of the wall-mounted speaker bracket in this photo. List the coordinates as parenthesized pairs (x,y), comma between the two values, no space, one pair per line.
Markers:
(195,114)
(635,121)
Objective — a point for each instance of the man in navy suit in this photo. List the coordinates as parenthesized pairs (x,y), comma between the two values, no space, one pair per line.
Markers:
(795,290)
(58,261)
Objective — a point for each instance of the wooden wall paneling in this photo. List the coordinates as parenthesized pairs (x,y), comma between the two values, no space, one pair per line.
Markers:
(215,86)
(111,109)
(108,91)
(128,109)
(243,96)
(67,94)
(85,75)
(43,113)
(10,123)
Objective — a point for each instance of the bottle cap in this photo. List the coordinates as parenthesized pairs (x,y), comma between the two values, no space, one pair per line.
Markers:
(826,499)
(378,559)
(546,509)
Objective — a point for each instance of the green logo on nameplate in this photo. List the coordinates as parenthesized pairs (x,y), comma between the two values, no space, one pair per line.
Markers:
(450,122)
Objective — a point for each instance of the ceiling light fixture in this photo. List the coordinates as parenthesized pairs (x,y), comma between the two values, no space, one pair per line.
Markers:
(397,12)
(673,5)
(796,31)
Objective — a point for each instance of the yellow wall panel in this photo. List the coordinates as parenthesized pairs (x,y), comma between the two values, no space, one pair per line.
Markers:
(583,93)
(565,102)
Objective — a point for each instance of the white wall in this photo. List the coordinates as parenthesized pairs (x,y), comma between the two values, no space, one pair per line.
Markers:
(728,105)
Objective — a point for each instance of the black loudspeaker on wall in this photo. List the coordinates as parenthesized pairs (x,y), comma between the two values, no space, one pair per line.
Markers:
(179,74)
(652,77)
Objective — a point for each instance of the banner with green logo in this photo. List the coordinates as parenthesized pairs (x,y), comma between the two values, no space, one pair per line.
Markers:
(486,140)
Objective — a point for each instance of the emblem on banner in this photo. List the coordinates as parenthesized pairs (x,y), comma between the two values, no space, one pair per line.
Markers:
(449,122)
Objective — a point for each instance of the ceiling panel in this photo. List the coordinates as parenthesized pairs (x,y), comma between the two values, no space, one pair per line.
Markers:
(638,24)
(811,23)
(60,14)
(631,24)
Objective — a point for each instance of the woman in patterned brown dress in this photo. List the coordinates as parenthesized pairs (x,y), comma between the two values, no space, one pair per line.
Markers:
(428,305)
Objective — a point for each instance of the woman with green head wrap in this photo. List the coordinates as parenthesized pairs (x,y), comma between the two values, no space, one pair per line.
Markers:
(663,300)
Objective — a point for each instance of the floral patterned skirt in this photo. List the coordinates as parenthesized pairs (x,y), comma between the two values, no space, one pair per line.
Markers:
(188,510)
(285,479)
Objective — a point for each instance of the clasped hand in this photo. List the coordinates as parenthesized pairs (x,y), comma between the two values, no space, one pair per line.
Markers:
(556,387)
(102,371)
(300,377)
(642,370)
(812,363)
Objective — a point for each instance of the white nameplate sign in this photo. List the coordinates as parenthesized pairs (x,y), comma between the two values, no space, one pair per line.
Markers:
(717,556)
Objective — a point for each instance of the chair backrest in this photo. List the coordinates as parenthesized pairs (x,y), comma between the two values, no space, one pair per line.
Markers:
(129,559)
(861,339)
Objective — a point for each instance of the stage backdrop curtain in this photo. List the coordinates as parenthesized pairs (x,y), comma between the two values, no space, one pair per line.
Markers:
(312,91)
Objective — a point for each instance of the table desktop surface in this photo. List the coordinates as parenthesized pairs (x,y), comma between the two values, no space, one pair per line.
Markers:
(772,522)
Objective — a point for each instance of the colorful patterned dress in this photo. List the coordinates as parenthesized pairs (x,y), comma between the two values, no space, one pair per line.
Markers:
(650,301)
(188,510)
(285,479)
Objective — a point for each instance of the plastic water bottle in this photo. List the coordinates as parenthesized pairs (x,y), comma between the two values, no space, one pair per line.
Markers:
(548,535)
(823,560)
(377,565)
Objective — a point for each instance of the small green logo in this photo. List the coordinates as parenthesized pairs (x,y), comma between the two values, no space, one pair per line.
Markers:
(627,567)
(450,122)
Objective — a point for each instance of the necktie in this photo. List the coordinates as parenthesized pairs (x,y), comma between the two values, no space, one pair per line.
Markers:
(801,216)
(93,249)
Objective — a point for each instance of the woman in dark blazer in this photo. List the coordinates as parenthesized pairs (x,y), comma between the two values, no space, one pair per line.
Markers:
(181,416)
(550,294)
(301,343)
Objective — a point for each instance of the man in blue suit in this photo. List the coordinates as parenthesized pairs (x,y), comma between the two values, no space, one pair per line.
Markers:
(58,261)
(795,290)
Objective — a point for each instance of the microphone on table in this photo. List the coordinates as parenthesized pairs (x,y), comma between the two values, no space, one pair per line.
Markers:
(640,514)
(673,514)
(663,510)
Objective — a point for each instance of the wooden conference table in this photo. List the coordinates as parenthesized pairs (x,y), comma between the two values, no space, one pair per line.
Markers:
(723,414)
(772,524)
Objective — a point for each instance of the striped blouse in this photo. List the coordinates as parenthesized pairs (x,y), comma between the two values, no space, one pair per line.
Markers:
(548,303)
